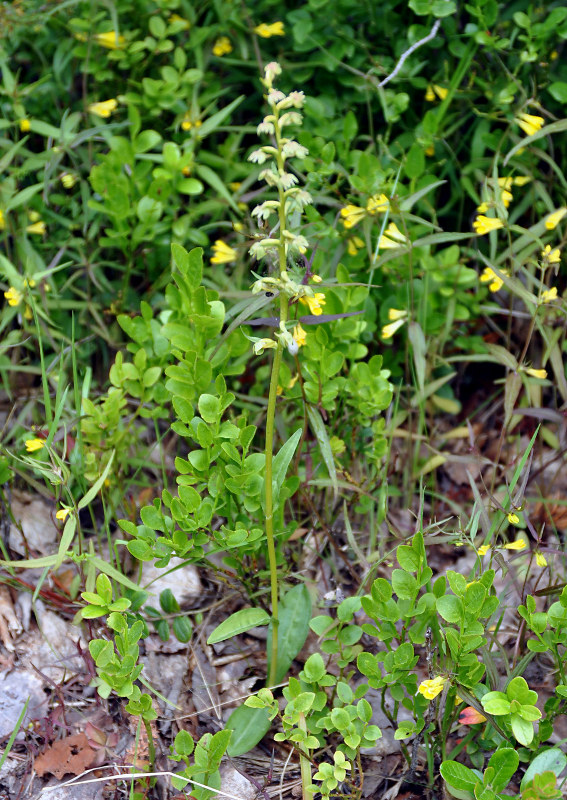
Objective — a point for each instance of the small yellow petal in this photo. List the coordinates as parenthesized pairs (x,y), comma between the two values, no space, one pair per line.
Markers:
(483,225)
(431,688)
(529,123)
(222,47)
(32,445)
(389,330)
(25,125)
(37,227)
(519,544)
(483,549)
(103,109)
(351,215)
(62,514)
(553,219)
(267,31)
(110,40)
(13,296)
(548,295)
(551,256)
(536,373)
(223,253)
(541,560)
(299,334)
(315,303)
(513,518)
(396,313)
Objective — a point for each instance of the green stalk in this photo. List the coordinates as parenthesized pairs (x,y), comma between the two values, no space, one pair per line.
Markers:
(305,764)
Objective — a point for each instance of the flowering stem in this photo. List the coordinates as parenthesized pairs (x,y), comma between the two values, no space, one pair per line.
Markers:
(270,419)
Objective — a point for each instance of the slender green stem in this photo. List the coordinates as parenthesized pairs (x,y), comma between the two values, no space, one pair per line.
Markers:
(305,764)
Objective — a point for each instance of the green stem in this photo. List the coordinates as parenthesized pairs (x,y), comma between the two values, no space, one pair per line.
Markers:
(270,509)
(305,764)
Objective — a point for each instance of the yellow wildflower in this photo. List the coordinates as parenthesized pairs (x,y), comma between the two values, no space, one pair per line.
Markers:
(13,296)
(519,544)
(263,344)
(483,549)
(555,218)
(483,208)
(392,238)
(28,313)
(62,514)
(548,295)
(32,445)
(234,186)
(222,46)
(2,220)
(37,227)
(110,40)
(188,123)
(540,559)
(299,335)
(267,31)
(435,89)
(513,518)
(377,204)
(430,689)
(223,253)
(316,278)
(25,125)
(354,244)
(551,256)
(389,330)
(33,216)
(396,313)
(352,215)
(496,282)
(536,373)
(529,123)
(315,303)
(68,180)
(104,108)
(484,224)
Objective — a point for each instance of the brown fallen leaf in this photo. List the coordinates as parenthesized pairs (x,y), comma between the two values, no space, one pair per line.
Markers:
(70,756)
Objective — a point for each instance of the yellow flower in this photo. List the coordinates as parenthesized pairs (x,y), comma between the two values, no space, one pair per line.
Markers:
(392,238)
(13,296)
(555,218)
(513,518)
(37,227)
(529,123)
(263,344)
(25,125)
(33,216)
(378,204)
(548,295)
(104,108)
(222,46)
(551,256)
(430,689)
(352,215)
(62,514)
(435,89)
(68,180)
(396,313)
(519,544)
(188,123)
(536,373)
(484,224)
(223,253)
(110,40)
(483,208)
(496,282)
(28,313)
(483,549)
(315,303)
(540,559)
(299,335)
(316,278)
(354,244)
(267,31)
(32,445)
(389,330)
(2,220)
